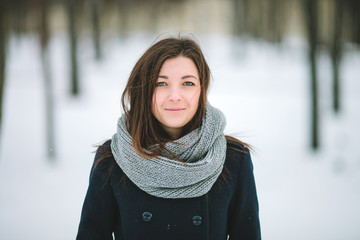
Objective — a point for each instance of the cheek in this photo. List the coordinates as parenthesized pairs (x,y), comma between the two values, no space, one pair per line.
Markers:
(195,99)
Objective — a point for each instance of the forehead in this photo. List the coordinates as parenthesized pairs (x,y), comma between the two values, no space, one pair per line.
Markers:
(179,65)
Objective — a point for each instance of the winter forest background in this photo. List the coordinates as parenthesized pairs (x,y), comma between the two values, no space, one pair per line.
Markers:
(285,73)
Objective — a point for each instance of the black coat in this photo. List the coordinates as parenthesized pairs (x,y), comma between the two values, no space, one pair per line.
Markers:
(114,206)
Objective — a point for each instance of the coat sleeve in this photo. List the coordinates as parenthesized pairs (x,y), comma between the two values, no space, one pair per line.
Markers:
(244,209)
(98,213)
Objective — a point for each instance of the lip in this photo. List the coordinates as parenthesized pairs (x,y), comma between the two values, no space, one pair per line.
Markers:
(174,109)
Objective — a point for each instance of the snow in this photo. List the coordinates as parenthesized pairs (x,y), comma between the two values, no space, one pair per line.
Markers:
(263,91)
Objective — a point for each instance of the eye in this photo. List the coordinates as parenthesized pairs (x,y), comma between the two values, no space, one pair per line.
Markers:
(160,84)
(189,84)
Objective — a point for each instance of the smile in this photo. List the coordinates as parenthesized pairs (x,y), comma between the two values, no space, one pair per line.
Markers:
(174,109)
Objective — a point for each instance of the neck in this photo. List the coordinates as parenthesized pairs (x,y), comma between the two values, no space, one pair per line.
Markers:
(174,133)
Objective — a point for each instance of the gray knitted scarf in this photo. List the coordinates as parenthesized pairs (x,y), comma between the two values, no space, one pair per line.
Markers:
(203,151)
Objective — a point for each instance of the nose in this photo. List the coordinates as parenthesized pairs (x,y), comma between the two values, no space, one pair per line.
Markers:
(175,94)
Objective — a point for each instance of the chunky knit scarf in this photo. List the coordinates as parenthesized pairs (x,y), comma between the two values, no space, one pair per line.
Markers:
(202,152)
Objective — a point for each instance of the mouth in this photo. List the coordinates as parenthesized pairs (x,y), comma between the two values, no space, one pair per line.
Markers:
(174,109)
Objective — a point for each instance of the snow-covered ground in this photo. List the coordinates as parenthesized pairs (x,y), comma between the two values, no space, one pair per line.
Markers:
(264,93)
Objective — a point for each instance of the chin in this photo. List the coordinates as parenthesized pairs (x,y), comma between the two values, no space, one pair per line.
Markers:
(175,125)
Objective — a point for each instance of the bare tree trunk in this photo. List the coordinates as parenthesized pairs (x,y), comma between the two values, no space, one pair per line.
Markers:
(311,7)
(95,19)
(336,53)
(355,7)
(275,19)
(3,39)
(239,18)
(123,7)
(48,83)
(71,10)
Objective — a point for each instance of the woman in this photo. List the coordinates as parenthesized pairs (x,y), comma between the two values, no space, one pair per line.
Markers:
(169,172)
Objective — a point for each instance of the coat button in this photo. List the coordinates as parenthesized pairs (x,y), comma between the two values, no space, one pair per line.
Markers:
(147,216)
(197,220)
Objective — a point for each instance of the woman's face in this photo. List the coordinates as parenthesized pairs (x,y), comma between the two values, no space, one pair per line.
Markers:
(176,95)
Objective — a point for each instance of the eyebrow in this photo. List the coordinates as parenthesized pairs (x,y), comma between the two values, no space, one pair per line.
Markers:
(189,76)
(163,76)
(183,77)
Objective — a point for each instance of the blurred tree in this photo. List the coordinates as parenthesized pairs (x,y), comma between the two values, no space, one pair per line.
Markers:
(3,40)
(95,19)
(239,20)
(123,8)
(275,20)
(336,52)
(16,15)
(311,23)
(42,7)
(72,8)
(353,7)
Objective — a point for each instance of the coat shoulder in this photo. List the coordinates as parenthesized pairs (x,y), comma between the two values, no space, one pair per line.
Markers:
(103,153)
(238,158)
(237,151)
(104,161)
(237,146)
